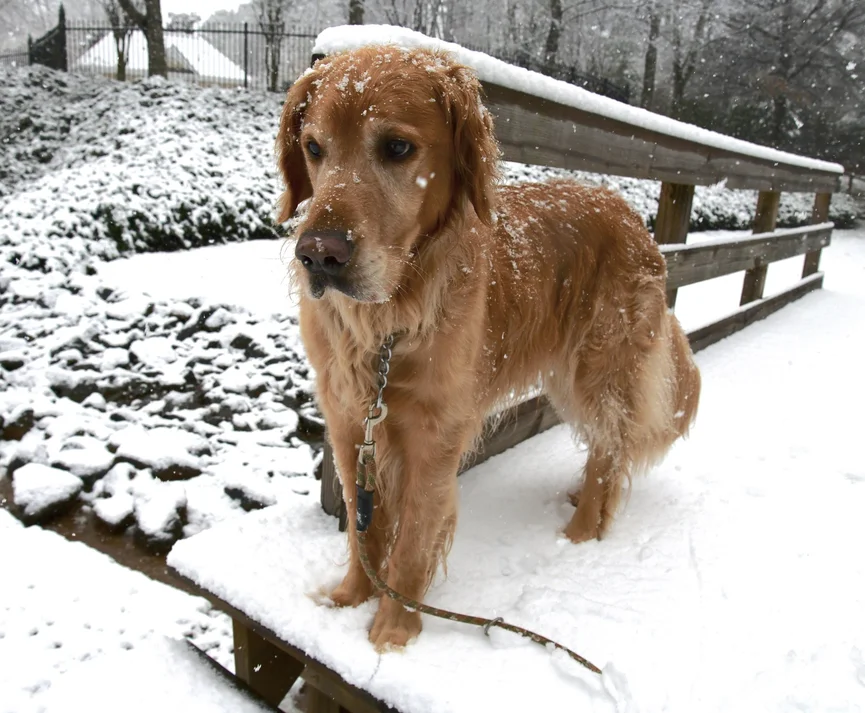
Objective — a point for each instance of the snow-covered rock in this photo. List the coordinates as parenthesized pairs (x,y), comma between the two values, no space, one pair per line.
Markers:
(159,514)
(41,492)
(84,456)
(172,454)
(116,511)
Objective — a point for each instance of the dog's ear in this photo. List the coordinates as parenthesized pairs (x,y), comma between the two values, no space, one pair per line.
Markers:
(289,152)
(476,151)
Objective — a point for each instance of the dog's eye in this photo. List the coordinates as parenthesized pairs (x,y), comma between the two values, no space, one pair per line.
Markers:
(314,149)
(397,149)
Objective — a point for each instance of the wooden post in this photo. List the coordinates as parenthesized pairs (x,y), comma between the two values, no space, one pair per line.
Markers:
(267,670)
(674,215)
(819,214)
(765,220)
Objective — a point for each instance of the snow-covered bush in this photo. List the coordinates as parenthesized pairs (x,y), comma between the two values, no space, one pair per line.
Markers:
(714,207)
(103,168)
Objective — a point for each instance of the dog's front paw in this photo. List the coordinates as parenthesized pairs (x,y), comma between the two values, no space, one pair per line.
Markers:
(394,626)
(352,591)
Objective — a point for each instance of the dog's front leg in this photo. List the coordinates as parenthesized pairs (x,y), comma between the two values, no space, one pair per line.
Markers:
(355,587)
(426,520)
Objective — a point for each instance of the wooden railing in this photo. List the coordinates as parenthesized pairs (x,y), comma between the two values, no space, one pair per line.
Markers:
(539,131)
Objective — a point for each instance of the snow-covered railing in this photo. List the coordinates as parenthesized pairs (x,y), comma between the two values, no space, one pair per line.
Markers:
(544,121)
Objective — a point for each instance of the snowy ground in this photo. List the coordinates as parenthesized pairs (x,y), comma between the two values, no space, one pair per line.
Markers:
(71,618)
(731,582)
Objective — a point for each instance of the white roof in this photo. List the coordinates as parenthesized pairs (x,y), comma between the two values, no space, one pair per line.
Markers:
(495,71)
(206,61)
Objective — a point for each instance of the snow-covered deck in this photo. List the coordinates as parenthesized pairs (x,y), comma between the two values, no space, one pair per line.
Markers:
(731,581)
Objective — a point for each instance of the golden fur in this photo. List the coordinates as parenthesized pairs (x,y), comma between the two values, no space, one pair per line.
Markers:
(490,290)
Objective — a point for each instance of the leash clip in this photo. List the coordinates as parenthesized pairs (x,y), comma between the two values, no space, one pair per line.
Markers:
(377,414)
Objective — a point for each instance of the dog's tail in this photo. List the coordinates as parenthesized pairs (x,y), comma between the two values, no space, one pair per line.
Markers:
(688,383)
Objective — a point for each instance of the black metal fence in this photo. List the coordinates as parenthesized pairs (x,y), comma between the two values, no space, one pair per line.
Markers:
(248,56)
(18,58)
(224,55)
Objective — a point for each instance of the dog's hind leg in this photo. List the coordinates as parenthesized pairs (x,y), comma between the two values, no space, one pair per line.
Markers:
(598,499)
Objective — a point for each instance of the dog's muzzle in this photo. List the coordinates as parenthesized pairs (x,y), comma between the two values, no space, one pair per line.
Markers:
(325,254)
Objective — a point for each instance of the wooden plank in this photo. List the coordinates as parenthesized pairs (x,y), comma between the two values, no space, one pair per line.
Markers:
(674,216)
(318,701)
(526,419)
(752,312)
(266,669)
(765,219)
(539,131)
(332,697)
(687,264)
(240,619)
(233,680)
(819,214)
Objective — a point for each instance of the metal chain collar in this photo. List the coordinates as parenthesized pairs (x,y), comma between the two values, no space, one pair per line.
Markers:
(377,409)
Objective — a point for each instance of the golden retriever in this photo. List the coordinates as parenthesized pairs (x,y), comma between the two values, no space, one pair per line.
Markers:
(490,291)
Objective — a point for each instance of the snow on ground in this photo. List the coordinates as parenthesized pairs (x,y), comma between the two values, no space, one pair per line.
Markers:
(732,581)
(80,632)
(253,275)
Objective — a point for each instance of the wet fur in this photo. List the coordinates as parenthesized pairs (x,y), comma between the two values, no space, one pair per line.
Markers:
(491,290)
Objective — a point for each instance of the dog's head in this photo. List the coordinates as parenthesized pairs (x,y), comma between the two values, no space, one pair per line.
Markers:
(387,144)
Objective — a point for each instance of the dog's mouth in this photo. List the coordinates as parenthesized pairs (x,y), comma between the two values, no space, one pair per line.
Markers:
(319,284)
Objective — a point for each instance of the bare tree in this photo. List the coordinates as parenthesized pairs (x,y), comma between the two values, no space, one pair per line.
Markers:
(551,48)
(355,12)
(150,22)
(790,51)
(122,31)
(183,21)
(685,52)
(271,21)
(432,17)
(650,63)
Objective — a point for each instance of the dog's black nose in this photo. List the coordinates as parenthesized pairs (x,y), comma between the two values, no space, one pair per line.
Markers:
(324,251)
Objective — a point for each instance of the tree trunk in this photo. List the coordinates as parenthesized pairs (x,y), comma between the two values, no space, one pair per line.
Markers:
(156,64)
(780,106)
(150,22)
(273,53)
(551,49)
(679,83)
(650,66)
(120,41)
(779,119)
(355,12)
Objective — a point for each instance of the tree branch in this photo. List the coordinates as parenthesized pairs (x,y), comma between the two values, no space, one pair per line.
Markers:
(133,13)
